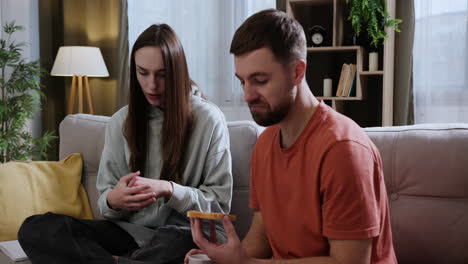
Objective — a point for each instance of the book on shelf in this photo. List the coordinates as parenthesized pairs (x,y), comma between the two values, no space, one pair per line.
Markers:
(353,87)
(13,250)
(350,81)
(342,81)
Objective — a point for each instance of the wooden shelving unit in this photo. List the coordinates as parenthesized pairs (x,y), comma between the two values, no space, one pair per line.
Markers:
(364,73)
(371,103)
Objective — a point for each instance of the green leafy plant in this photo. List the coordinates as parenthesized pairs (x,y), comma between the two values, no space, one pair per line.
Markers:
(20,98)
(372,16)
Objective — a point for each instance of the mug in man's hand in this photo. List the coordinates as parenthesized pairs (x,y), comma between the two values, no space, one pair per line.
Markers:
(199,259)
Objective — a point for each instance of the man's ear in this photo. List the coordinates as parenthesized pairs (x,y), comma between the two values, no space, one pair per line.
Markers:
(298,71)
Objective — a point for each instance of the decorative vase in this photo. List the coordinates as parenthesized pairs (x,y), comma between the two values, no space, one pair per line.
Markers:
(373,61)
(327,87)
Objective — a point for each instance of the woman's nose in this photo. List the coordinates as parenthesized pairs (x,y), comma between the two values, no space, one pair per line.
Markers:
(152,83)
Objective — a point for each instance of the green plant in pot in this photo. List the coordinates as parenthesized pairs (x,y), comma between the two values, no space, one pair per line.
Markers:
(371,17)
(19,100)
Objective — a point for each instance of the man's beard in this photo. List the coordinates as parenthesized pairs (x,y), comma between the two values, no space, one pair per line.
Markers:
(271,117)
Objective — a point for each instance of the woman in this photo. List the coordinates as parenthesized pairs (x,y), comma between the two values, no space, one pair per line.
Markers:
(165,153)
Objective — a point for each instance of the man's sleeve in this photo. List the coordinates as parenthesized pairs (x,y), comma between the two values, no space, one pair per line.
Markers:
(349,189)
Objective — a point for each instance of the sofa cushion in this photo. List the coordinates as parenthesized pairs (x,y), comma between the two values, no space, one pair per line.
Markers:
(30,188)
(243,136)
(426,175)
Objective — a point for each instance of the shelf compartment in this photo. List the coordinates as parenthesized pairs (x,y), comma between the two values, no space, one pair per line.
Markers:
(367,73)
(301,10)
(323,62)
(334,49)
(335,98)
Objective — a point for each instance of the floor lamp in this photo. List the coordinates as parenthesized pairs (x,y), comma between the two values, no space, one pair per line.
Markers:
(80,63)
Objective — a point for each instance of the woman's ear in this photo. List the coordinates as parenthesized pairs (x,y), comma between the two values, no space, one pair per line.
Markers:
(298,71)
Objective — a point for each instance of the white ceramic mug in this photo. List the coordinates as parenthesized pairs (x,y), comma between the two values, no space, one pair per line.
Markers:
(199,259)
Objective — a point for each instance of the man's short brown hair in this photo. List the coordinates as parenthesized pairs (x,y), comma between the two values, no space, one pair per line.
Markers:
(274,29)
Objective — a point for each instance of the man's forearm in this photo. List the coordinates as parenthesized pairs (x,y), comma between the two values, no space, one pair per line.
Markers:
(256,242)
(255,248)
(341,252)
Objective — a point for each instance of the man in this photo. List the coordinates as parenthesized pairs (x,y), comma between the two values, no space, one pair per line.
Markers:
(317,186)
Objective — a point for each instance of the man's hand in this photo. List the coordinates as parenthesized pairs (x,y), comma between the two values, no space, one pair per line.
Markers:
(159,187)
(231,252)
(125,197)
(213,239)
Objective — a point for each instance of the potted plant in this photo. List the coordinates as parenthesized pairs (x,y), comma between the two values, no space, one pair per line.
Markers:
(19,100)
(371,18)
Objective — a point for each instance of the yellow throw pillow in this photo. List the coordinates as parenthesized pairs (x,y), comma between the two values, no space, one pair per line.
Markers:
(36,187)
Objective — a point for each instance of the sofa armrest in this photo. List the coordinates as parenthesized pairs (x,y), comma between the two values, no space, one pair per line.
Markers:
(83,133)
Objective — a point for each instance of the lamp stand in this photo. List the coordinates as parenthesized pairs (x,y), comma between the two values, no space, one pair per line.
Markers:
(71,101)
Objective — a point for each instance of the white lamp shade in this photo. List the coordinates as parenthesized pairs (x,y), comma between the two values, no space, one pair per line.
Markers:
(79,60)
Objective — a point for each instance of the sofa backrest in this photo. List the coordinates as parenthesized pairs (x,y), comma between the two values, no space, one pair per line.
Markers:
(425,170)
(426,174)
(83,133)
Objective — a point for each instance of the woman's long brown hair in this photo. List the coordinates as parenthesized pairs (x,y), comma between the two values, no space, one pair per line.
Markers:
(178,118)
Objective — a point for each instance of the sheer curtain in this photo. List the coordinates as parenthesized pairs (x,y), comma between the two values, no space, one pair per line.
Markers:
(25,13)
(440,61)
(205,29)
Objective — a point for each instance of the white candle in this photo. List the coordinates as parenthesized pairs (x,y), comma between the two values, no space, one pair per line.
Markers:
(327,87)
(373,61)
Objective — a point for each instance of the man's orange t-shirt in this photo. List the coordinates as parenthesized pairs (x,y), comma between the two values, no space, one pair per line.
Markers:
(328,185)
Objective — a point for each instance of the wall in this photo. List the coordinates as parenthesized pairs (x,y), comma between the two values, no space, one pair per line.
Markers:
(80,23)
(77,22)
(96,23)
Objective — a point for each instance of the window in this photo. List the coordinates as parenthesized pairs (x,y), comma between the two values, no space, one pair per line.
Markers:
(440,61)
(205,29)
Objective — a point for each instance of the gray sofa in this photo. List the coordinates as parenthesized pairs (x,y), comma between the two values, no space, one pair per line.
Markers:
(426,174)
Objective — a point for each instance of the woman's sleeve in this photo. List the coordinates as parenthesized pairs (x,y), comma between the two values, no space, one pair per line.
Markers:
(112,167)
(215,190)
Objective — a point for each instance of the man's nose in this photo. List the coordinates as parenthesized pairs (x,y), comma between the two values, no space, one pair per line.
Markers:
(250,94)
